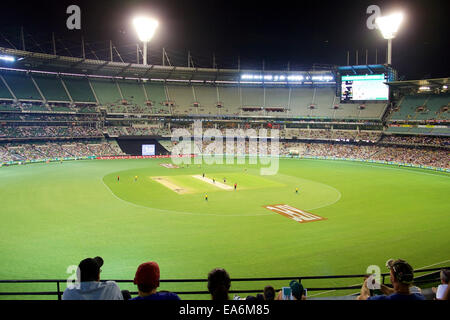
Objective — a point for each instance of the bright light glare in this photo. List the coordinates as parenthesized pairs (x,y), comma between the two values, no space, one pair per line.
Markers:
(389,25)
(295,78)
(7,58)
(145,28)
(322,78)
(289,78)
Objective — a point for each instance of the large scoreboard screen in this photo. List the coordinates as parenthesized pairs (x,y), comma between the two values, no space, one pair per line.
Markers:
(364,87)
(148,149)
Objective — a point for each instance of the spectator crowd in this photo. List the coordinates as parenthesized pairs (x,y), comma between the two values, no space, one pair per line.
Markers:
(416,140)
(434,157)
(418,156)
(52,150)
(88,285)
(49,131)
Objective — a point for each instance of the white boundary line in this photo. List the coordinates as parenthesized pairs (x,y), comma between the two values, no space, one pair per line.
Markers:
(431,265)
(179,212)
(406,169)
(321,206)
(220,215)
(380,166)
(388,166)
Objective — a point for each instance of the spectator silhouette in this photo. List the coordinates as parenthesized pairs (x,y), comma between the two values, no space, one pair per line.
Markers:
(89,286)
(440,290)
(219,284)
(269,293)
(147,281)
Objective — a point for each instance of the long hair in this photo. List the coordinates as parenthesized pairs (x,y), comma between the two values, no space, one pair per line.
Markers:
(219,283)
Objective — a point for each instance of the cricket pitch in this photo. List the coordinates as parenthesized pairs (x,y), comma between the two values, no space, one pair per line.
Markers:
(172,186)
(214,183)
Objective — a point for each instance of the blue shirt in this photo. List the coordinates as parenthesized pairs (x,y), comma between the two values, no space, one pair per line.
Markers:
(159,296)
(399,297)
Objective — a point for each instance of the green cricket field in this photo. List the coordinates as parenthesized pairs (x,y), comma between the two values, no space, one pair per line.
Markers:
(312,218)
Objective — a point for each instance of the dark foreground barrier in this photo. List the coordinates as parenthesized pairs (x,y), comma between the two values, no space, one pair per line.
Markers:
(427,276)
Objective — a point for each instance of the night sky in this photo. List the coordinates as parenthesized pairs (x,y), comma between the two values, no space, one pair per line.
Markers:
(301,33)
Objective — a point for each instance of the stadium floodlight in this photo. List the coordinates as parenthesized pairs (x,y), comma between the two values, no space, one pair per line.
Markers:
(8,58)
(388,26)
(145,28)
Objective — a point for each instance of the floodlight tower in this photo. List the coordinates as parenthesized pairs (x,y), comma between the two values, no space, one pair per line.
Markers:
(145,28)
(389,26)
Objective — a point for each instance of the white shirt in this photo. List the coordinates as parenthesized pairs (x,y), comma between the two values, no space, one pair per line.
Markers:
(93,290)
(441,290)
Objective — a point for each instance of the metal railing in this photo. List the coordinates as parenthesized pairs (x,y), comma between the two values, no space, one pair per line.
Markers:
(417,281)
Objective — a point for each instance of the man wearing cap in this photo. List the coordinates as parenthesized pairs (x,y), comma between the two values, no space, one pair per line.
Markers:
(89,286)
(402,277)
(147,281)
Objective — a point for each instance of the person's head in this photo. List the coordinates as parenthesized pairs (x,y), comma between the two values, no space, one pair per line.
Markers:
(269,293)
(147,277)
(89,269)
(219,283)
(297,289)
(445,276)
(401,274)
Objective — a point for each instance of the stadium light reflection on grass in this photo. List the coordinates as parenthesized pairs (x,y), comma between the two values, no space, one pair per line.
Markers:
(388,26)
(145,28)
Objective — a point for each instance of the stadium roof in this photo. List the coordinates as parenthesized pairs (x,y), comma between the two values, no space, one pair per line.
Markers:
(431,83)
(363,69)
(26,60)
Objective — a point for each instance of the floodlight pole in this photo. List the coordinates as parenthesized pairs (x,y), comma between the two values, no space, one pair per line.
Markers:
(389,52)
(145,53)
(137,53)
(23,38)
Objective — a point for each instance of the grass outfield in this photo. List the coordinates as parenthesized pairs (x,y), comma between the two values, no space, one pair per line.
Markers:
(54,215)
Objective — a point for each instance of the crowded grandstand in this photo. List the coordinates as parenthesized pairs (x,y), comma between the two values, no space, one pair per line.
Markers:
(41,111)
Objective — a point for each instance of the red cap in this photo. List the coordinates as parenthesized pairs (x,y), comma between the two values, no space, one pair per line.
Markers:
(147,273)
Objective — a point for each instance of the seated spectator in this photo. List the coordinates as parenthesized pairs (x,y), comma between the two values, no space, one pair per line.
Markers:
(259,297)
(147,281)
(89,286)
(402,276)
(440,290)
(269,293)
(297,292)
(388,290)
(219,284)
(446,295)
